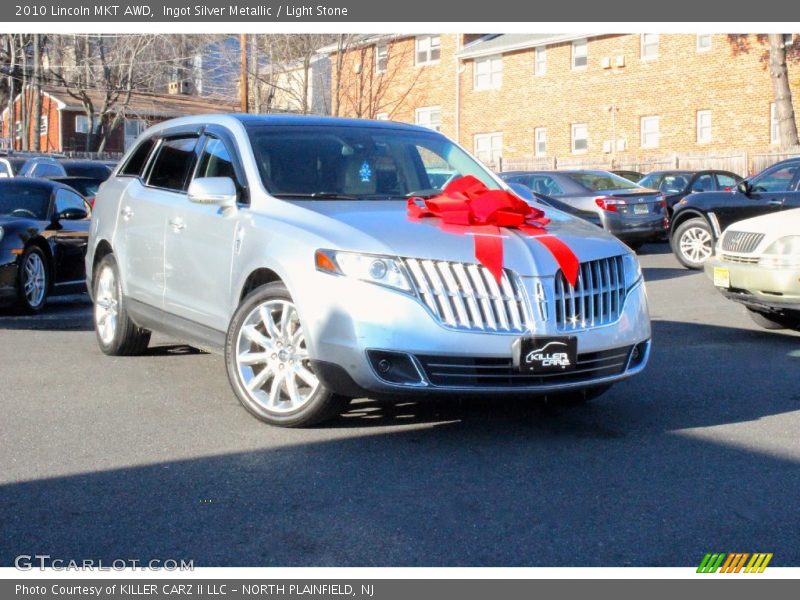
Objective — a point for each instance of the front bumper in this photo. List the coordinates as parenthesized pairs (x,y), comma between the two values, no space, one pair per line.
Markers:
(8,278)
(758,287)
(347,322)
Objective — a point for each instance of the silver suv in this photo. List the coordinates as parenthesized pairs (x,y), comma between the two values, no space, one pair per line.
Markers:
(285,243)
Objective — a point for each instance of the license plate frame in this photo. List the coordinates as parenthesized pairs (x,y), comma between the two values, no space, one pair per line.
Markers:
(640,209)
(722,277)
(542,355)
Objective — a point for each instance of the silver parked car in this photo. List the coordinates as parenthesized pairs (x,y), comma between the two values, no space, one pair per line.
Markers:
(285,242)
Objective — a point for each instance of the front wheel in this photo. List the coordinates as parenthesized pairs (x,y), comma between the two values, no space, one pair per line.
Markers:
(32,280)
(693,243)
(268,364)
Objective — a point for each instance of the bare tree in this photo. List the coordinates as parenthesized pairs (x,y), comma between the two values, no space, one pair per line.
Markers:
(782,91)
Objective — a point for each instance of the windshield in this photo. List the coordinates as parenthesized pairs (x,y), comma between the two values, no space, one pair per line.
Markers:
(358,163)
(600,181)
(29,202)
(670,183)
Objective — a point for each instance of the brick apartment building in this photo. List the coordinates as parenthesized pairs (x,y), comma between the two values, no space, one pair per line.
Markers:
(631,100)
(64,124)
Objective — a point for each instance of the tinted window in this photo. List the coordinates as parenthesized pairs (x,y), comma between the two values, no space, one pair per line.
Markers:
(726,181)
(358,162)
(138,159)
(216,161)
(96,170)
(704,183)
(599,182)
(66,199)
(775,180)
(173,164)
(22,200)
(652,181)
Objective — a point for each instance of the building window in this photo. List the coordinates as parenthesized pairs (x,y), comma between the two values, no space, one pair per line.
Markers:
(43,126)
(488,73)
(18,129)
(580,137)
(774,131)
(649,46)
(788,39)
(650,132)
(82,124)
(703,126)
(703,42)
(580,54)
(381,58)
(489,148)
(428,49)
(540,61)
(430,117)
(540,141)
(382,116)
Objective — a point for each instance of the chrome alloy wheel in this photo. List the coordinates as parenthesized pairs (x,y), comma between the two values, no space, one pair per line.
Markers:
(106,305)
(34,280)
(696,245)
(272,359)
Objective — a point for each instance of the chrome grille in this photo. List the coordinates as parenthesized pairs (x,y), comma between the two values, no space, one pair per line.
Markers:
(746,260)
(466,296)
(597,298)
(741,241)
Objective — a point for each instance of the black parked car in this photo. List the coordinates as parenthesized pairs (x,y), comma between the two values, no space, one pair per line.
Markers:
(44,227)
(632,213)
(86,168)
(699,219)
(678,184)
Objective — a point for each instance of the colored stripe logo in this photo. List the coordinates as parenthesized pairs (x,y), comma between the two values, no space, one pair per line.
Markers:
(736,562)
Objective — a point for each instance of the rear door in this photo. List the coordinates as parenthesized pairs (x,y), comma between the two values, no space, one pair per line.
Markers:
(201,240)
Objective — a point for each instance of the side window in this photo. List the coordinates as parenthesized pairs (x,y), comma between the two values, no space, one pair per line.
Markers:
(138,159)
(173,164)
(725,181)
(704,183)
(66,199)
(778,179)
(215,161)
(47,170)
(542,184)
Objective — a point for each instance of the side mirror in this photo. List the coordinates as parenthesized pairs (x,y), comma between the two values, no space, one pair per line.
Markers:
(72,214)
(219,191)
(744,187)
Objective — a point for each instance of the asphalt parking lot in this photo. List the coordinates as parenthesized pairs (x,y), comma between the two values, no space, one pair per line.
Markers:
(153,458)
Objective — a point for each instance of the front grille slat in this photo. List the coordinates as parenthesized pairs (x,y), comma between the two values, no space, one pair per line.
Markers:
(453,289)
(741,241)
(597,297)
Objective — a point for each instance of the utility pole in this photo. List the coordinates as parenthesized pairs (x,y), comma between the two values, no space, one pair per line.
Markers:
(243,91)
(37,94)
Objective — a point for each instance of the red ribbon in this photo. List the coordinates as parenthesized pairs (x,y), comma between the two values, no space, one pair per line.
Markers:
(467,201)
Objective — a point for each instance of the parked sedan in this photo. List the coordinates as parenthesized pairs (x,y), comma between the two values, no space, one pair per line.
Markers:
(678,184)
(526,193)
(757,263)
(634,214)
(44,227)
(699,219)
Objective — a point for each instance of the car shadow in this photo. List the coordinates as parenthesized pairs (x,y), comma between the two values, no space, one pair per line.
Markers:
(655,248)
(61,313)
(664,273)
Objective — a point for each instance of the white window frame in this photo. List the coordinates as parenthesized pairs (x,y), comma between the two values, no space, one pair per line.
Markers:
(540,61)
(574,138)
(645,131)
(582,43)
(649,40)
(44,125)
(788,39)
(18,130)
(381,56)
(495,140)
(423,117)
(424,43)
(494,80)
(700,47)
(382,116)
(774,130)
(704,130)
(84,128)
(540,137)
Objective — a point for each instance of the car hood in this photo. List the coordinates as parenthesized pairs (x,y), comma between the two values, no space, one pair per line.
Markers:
(777,224)
(384,227)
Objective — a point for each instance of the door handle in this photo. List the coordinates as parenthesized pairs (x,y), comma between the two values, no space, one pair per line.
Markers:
(177,224)
(775,202)
(126,213)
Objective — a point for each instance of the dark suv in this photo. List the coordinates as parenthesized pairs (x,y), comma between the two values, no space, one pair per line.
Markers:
(698,220)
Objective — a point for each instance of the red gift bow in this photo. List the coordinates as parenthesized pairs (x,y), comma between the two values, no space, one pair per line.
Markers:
(467,201)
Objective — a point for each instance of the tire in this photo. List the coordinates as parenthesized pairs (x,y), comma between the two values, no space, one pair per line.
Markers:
(786,320)
(268,364)
(579,397)
(33,280)
(693,243)
(117,334)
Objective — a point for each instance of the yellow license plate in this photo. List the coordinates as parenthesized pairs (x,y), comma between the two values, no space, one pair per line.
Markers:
(722,277)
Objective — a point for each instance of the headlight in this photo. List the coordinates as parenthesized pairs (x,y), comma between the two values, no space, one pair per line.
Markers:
(382,270)
(633,270)
(782,253)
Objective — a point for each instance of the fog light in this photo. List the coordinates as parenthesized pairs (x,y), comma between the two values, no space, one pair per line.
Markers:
(384,365)
(394,367)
